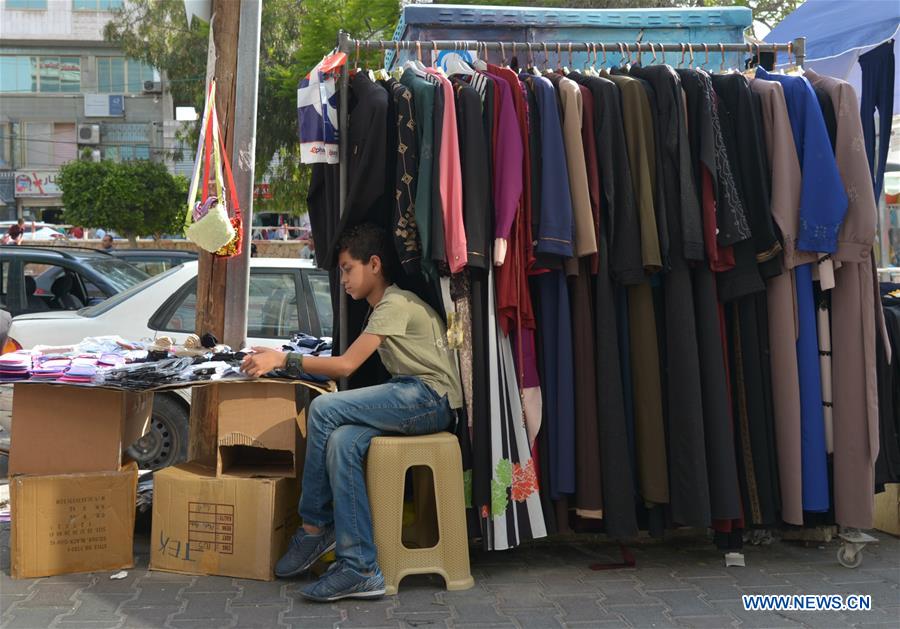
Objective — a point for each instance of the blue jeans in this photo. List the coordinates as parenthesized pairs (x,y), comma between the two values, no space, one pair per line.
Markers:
(339,429)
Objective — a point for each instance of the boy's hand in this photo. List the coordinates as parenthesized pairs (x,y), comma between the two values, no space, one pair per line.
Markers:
(262,361)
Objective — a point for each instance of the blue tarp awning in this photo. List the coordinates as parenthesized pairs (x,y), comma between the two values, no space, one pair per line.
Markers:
(832,27)
(839,31)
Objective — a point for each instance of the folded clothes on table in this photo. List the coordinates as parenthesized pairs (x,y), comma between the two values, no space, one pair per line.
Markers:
(15,365)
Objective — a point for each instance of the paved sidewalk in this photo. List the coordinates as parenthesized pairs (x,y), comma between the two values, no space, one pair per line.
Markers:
(682,582)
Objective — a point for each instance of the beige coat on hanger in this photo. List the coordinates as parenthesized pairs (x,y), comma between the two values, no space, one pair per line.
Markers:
(855,313)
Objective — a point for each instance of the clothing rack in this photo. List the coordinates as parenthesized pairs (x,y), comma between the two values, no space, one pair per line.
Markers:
(348,45)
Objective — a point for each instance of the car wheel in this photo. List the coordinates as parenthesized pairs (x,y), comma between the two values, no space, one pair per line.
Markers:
(166,443)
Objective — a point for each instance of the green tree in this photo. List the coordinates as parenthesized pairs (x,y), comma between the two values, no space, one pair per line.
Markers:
(136,198)
(295,36)
(317,25)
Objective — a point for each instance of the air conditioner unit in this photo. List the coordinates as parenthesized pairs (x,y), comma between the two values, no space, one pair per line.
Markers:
(152,87)
(89,134)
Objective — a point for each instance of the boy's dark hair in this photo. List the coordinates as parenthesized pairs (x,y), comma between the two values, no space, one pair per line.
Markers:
(366,240)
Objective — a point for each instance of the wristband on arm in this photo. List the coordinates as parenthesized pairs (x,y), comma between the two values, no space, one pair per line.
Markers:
(294,364)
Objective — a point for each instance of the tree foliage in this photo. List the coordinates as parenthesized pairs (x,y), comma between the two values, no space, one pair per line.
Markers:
(135,198)
(295,35)
(157,33)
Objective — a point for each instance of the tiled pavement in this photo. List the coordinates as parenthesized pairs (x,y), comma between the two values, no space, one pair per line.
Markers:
(679,583)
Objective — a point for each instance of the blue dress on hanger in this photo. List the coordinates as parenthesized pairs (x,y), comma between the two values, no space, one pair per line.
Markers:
(555,239)
(823,204)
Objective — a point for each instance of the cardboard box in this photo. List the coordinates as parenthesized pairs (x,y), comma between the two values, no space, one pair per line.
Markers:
(887,509)
(235,527)
(72,523)
(258,430)
(64,429)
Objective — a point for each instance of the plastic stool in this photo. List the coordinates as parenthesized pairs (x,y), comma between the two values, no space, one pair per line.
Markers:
(388,460)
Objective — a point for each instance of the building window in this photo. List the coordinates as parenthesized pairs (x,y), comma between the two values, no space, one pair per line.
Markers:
(59,74)
(47,144)
(96,5)
(18,74)
(27,4)
(5,145)
(40,74)
(123,142)
(126,152)
(117,75)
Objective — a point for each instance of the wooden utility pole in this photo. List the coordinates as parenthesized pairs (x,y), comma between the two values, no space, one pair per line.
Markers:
(220,282)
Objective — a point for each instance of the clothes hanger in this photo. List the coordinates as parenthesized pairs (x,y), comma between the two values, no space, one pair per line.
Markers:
(503,55)
(653,61)
(480,63)
(535,69)
(434,60)
(566,68)
(750,71)
(381,74)
(454,64)
(369,72)
(416,66)
(416,63)
(625,62)
(793,69)
(639,54)
(681,61)
(397,72)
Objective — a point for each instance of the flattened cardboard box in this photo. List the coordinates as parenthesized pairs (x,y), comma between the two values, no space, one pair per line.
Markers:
(63,430)
(72,523)
(258,432)
(235,527)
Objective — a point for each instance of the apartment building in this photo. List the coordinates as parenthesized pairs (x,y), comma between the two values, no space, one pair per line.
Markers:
(63,90)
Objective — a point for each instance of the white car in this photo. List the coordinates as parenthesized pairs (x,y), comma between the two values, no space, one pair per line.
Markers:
(286,296)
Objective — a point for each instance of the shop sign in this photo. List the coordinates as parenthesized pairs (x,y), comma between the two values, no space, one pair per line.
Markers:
(37,183)
(262,191)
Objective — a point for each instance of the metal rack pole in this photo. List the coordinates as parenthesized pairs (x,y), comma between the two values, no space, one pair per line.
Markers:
(795,48)
(343,118)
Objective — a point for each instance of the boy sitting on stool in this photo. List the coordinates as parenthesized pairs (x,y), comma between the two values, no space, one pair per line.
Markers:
(417,400)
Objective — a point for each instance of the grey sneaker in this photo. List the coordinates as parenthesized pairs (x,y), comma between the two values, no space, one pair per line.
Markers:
(342,581)
(305,550)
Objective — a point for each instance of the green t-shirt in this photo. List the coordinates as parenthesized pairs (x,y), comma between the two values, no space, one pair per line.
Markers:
(415,342)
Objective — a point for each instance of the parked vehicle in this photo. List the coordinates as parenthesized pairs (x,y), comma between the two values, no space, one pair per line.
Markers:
(154,261)
(286,296)
(46,279)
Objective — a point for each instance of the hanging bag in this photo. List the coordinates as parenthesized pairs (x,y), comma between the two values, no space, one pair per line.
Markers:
(208,224)
(233,246)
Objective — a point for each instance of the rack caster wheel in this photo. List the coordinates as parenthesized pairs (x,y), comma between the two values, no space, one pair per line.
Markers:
(850,552)
(848,557)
